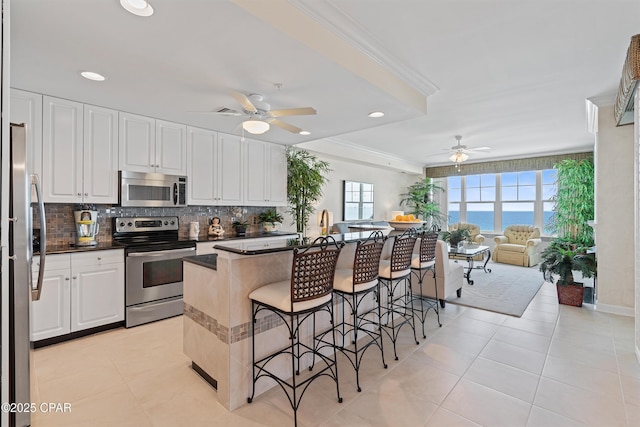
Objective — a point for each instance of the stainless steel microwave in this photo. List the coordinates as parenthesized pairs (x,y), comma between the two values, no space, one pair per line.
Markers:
(152,190)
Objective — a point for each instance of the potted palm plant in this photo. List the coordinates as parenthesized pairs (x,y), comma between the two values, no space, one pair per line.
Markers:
(270,220)
(305,179)
(420,199)
(561,258)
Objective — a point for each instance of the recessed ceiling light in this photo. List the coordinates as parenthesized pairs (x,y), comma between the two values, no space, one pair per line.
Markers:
(376,114)
(92,76)
(304,132)
(137,7)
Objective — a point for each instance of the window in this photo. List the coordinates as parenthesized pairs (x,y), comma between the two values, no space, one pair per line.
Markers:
(494,201)
(358,200)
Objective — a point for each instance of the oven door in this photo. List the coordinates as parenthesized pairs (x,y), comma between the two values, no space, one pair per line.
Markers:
(154,275)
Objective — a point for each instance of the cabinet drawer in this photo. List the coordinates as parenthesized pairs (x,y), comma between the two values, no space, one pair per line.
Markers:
(96,258)
(53,262)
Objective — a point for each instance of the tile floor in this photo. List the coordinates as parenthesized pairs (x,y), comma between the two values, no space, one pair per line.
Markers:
(555,366)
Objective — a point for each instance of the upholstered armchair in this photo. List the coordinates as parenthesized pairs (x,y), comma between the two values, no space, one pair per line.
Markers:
(519,245)
(476,237)
(449,275)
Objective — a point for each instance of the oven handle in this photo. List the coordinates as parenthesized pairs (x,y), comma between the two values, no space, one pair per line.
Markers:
(159,253)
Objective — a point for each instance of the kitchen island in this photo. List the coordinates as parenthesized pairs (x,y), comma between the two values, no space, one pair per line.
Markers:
(217,313)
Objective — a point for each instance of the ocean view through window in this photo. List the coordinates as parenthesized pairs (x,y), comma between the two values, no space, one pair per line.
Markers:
(494,201)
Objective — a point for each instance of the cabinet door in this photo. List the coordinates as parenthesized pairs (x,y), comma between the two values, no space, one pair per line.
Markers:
(136,143)
(171,148)
(26,107)
(229,170)
(62,141)
(100,166)
(255,184)
(50,316)
(276,171)
(97,290)
(201,146)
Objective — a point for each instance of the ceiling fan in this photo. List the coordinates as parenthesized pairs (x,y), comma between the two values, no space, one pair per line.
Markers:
(459,152)
(260,115)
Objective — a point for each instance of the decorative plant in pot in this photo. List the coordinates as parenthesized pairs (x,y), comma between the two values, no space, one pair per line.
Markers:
(562,257)
(420,199)
(454,237)
(305,179)
(240,227)
(270,220)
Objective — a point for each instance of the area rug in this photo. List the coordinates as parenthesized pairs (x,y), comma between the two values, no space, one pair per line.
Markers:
(508,289)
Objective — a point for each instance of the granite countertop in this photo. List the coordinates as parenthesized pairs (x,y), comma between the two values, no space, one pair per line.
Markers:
(228,237)
(71,248)
(208,260)
(346,238)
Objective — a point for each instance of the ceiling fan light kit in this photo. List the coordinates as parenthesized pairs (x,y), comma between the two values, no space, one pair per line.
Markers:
(255,127)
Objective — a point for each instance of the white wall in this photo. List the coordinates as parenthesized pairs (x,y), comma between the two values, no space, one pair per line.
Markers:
(388,185)
(614,182)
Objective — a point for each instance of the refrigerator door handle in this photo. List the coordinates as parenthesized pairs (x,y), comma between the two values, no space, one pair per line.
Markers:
(35,293)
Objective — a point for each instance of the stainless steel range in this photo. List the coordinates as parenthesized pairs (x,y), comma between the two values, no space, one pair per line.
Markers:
(153,267)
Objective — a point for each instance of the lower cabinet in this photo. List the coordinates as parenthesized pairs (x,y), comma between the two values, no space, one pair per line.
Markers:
(80,291)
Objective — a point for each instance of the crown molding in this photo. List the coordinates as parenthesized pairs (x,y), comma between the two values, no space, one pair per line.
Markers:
(341,149)
(330,16)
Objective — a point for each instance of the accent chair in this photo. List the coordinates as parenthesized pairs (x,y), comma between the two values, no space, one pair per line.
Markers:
(519,245)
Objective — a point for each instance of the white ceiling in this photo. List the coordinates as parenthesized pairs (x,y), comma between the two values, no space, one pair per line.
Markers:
(511,75)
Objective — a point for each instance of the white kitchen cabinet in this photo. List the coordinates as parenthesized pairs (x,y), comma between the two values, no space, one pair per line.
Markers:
(80,291)
(150,145)
(62,141)
(26,107)
(171,148)
(100,155)
(80,153)
(50,315)
(214,168)
(265,174)
(97,289)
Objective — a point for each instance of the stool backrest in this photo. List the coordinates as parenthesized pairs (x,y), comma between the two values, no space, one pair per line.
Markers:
(403,250)
(366,262)
(428,242)
(313,269)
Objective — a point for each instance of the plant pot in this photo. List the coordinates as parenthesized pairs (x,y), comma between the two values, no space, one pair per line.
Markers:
(570,294)
(241,230)
(270,227)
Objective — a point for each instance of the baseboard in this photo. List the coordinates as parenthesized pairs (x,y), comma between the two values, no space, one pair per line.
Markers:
(616,309)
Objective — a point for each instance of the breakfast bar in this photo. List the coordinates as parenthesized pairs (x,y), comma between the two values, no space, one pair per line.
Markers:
(217,313)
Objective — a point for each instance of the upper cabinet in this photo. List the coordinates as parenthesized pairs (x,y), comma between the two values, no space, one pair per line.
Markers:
(26,107)
(214,164)
(265,174)
(79,151)
(150,145)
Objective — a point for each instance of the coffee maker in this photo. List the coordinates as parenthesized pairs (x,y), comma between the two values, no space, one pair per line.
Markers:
(87,227)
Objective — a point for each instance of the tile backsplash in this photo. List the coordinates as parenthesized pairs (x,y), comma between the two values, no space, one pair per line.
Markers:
(61,228)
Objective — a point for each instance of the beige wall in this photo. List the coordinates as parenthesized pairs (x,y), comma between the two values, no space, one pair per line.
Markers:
(614,182)
(388,185)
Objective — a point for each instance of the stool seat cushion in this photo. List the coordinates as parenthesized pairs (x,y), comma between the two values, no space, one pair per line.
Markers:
(343,282)
(278,295)
(415,262)
(385,270)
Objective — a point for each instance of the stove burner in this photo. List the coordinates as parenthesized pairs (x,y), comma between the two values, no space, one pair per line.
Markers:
(145,234)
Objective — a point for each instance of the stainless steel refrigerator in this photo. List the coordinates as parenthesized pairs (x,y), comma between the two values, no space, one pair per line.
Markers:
(21,285)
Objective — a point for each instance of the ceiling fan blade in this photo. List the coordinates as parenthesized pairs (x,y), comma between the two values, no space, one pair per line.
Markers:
(284,125)
(303,111)
(479,149)
(224,111)
(244,101)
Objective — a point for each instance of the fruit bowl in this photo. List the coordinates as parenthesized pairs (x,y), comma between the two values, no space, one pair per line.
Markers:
(403,225)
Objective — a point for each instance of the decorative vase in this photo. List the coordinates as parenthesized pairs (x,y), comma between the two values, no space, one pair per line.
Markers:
(270,227)
(570,294)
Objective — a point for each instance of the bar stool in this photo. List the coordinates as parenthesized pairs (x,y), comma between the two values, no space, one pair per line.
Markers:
(421,263)
(392,273)
(352,286)
(309,291)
